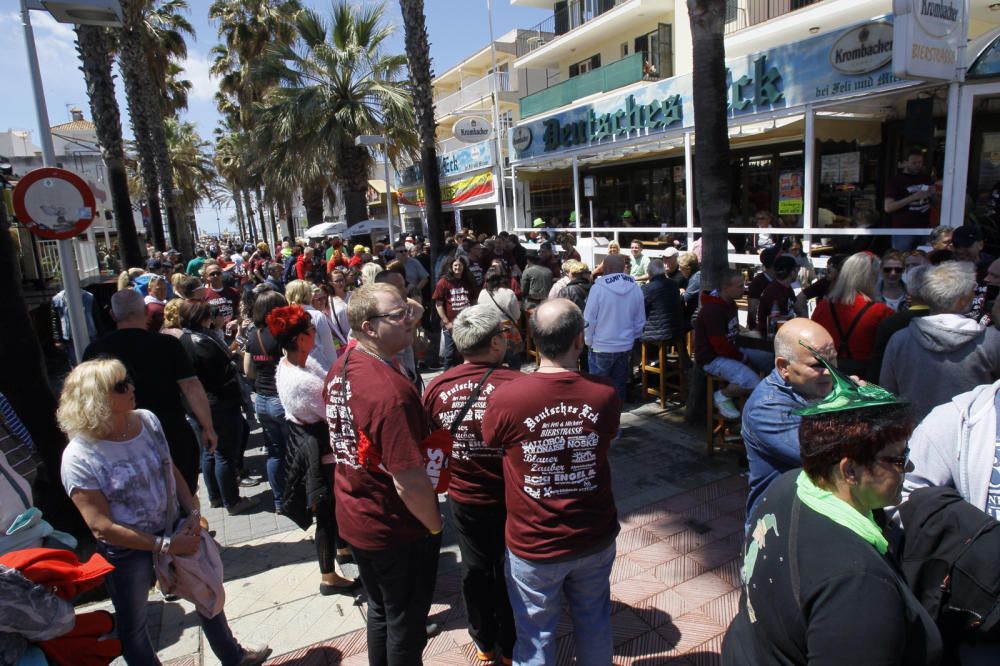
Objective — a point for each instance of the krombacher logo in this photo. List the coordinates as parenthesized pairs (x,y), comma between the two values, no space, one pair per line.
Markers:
(939,10)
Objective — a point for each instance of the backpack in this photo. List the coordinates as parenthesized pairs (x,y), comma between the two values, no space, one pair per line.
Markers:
(949,558)
(288,273)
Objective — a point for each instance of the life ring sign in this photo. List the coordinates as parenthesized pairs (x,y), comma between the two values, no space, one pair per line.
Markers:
(54,204)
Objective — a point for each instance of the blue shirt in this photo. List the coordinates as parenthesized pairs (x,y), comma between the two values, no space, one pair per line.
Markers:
(771,433)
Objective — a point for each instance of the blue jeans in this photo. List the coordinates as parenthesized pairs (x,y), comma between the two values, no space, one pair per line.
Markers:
(128,586)
(271,416)
(219,469)
(613,365)
(448,350)
(536,590)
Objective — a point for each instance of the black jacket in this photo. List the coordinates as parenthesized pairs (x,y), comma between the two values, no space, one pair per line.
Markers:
(214,366)
(664,310)
(577,291)
(816,593)
(308,483)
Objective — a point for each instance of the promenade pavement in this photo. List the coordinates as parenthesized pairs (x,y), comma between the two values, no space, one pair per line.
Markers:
(675,581)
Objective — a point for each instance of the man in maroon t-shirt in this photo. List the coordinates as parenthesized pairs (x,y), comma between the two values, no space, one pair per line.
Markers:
(555,428)
(227,299)
(386,507)
(908,198)
(476,492)
(759,283)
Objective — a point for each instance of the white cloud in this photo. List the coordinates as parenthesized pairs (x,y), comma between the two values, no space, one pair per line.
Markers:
(196,70)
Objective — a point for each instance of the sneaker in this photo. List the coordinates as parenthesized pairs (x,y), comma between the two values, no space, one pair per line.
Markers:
(244,504)
(725,406)
(255,657)
(485,656)
(249,481)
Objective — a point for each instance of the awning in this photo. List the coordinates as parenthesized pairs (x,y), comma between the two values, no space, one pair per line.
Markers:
(377,184)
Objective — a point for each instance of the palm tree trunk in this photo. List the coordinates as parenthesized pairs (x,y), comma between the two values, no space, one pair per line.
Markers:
(274,224)
(263,220)
(286,211)
(25,384)
(418,56)
(239,214)
(249,212)
(711,158)
(93,45)
(312,200)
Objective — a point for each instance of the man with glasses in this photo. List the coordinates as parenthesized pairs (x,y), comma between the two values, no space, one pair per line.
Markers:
(226,299)
(387,510)
(476,492)
(555,428)
(770,427)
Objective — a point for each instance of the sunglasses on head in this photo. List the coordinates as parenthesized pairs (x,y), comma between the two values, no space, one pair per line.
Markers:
(892,269)
(122,386)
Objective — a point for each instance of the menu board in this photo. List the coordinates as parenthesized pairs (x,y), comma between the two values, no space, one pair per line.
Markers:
(840,168)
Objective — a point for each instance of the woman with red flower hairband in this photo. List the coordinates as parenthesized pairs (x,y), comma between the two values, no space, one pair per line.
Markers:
(309,462)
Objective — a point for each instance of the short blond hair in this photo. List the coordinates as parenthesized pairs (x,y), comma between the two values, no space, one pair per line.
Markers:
(363,304)
(299,292)
(85,402)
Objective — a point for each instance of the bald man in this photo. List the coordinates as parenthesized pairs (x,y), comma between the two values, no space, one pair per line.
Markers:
(770,429)
(615,314)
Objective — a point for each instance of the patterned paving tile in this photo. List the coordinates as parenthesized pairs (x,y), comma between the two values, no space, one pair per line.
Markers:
(633,539)
(624,568)
(703,512)
(714,554)
(635,589)
(661,608)
(627,625)
(695,629)
(649,648)
(732,501)
(653,555)
(699,591)
(727,524)
(678,570)
(724,608)
(689,540)
(730,572)
(680,502)
(667,525)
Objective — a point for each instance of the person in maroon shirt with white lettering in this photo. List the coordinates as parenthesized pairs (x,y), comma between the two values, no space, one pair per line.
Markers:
(476,492)
(555,428)
(387,510)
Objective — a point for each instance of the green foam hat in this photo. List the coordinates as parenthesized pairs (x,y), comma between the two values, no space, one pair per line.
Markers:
(572,216)
(538,222)
(627,213)
(847,394)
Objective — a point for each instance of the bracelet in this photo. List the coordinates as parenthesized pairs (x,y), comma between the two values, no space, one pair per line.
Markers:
(165,546)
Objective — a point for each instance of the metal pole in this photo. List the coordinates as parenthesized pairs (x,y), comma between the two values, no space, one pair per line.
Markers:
(809,190)
(576,193)
(67,259)
(950,188)
(498,162)
(513,192)
(388,191)
(689,187)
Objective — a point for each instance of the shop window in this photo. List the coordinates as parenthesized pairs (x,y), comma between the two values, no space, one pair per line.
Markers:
(656,47)
(551,198)
(585,66)
(987,64)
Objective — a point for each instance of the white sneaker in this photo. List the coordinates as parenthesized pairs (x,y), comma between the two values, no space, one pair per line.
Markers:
(725,406)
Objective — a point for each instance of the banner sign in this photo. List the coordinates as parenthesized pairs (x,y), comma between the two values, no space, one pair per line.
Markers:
(831,67)
(459,191)
(471,158)
(928,35)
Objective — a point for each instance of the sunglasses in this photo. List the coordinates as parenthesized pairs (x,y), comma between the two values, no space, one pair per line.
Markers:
(214,274)
(397,316)
(893,269)
(122,387)
(899,462)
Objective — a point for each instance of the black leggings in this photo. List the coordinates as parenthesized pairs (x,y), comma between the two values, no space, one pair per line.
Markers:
(327,536)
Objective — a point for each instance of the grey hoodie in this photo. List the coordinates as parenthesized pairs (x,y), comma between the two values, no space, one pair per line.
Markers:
(937,357)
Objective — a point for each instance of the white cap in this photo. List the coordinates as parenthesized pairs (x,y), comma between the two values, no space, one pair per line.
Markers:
(670,252)
(236,258)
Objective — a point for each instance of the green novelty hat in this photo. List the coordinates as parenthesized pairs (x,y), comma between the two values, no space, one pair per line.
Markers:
(846,394)
(538,222)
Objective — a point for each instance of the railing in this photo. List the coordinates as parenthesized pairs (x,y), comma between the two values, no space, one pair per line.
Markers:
(743,14)
(575,14)
(48,255)
(471,93)
(609,77)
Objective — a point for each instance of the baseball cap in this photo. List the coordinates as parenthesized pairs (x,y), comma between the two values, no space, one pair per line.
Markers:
(154,264)
(670,252)
(358,249)
(768,255)
(965,236)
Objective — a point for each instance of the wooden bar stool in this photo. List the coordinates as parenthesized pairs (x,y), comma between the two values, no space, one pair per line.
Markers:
(720,433)
(663,366)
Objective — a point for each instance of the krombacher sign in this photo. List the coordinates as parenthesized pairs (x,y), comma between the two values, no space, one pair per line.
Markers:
(658,114)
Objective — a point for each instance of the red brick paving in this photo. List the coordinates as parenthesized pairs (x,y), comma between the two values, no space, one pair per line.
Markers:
(674,590)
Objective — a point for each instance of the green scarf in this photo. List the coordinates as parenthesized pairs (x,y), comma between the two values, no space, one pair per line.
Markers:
(827,504)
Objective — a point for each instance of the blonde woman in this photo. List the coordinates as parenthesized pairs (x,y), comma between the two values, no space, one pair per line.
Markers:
(368,273)
(118,472)
(300,292)
(126,278)
(172,318)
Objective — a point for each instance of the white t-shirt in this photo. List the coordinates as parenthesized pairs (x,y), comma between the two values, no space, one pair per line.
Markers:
(130,474)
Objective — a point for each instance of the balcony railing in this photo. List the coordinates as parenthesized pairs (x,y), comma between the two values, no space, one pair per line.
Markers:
(572,16)
(743,14)
(609,77)
(471,93)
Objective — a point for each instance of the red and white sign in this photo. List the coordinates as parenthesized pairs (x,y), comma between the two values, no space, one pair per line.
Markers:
(54,203)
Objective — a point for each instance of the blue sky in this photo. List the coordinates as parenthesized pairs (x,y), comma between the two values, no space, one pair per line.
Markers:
(457,28)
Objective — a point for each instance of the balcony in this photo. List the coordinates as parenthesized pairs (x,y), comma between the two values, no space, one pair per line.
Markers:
(743,14)
(572,16)
(626,71)
(472,93)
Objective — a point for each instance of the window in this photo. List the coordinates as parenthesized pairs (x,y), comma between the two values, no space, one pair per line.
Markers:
(585,66)
(623,49)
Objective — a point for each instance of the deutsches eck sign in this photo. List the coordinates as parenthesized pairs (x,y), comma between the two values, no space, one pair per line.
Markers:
(927,36)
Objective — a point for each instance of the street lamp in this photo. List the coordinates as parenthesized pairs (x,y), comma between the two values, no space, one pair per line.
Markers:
(376,140)
(82,12)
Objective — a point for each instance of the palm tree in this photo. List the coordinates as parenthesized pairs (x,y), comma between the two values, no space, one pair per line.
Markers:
(229,165)
(418,53)
(191,160)
(711,158)
(334,84)
(95,46)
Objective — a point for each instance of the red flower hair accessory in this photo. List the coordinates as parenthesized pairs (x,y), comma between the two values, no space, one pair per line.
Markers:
(288,321)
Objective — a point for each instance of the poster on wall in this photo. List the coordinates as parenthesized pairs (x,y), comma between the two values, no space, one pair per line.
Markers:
(840,168)
(989,162)
(790,193)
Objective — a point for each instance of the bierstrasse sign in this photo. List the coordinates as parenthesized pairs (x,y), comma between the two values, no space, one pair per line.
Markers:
(927,37)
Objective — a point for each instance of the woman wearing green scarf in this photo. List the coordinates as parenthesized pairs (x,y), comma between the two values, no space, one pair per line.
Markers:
(819,585)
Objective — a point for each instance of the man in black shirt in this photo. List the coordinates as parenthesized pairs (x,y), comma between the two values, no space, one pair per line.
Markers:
(162,372)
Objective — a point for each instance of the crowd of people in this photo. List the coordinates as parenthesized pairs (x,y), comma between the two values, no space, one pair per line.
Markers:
(324,345)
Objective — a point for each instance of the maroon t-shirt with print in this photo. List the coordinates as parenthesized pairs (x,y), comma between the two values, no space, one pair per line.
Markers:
(381,403)
(555,430)
(476,470)
(455,296)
